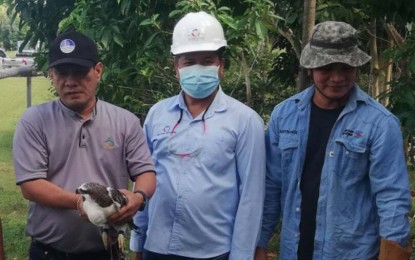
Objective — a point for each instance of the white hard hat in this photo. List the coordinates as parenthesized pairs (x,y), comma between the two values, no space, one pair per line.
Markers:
(197,32)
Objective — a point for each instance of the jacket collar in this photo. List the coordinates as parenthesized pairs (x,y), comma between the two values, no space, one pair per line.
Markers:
(303,99)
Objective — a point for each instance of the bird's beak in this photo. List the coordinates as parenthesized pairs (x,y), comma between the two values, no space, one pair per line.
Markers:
(77,191)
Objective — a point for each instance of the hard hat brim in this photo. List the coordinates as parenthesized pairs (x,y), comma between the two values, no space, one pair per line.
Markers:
(175,50)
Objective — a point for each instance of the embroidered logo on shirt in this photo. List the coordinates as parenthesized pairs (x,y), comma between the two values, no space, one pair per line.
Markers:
(166,129)
(350,132)
(358,134)
(109,143)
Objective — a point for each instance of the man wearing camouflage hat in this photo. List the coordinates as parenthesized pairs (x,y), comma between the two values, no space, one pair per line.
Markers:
(335,165)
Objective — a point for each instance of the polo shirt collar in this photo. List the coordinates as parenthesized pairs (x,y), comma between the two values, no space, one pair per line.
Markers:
(72,113)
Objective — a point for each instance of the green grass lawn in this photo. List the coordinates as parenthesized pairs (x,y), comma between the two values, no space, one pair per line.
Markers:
(13,208)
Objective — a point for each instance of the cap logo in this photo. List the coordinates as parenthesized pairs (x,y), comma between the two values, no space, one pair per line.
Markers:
(67,46)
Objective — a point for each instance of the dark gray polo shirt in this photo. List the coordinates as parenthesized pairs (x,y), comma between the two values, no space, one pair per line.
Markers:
(53,142)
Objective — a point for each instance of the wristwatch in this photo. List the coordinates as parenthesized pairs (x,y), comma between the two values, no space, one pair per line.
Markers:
(145,198)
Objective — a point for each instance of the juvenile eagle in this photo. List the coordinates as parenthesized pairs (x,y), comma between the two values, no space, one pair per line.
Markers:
(100,202)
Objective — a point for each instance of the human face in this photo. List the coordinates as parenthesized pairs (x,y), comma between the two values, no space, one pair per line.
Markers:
(76,86)
(204,58)
(333,83)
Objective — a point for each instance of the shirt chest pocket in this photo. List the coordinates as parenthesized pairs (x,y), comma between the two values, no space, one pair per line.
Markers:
(352,157)
(288,149)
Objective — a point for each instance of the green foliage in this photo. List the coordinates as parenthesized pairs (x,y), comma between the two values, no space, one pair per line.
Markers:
(9,32)
(393,10)
(134,40)
(41,17)
(402,93)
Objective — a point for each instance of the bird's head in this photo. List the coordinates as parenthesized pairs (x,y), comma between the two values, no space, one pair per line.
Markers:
(88,189)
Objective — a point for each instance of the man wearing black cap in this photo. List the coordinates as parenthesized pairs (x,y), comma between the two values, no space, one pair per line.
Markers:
(336,172)
(61,144)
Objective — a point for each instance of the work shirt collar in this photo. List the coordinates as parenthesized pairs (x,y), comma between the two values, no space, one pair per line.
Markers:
(219,103)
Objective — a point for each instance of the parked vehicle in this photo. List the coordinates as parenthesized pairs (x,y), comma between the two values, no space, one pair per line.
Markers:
(7,62)
(27,51)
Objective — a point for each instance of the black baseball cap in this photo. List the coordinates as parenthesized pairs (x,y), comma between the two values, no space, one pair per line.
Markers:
(73,48)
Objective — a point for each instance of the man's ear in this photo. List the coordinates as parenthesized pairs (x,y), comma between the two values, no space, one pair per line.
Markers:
(221,68)
(176,69)
(310,74)
(50,74)
(99,69)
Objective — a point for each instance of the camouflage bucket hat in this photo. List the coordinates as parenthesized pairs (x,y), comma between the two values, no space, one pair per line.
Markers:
(332,42)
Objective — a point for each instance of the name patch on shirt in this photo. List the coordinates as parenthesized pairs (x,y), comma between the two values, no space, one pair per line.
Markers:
(284,131)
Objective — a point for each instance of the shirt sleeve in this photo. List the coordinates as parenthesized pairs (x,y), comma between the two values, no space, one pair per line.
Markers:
(390,182)
(272,206)
(30,154)
(138,236)
(250,157)
(137,152)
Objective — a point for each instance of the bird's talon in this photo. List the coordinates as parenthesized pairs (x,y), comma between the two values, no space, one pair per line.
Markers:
(121,242)
(105,239)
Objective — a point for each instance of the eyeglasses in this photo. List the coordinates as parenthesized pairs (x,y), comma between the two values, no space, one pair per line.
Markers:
(188,142)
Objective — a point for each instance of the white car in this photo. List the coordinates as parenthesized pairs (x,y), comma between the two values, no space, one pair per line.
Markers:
(6,62)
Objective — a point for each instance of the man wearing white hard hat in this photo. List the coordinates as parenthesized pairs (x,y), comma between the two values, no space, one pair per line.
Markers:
(209,154)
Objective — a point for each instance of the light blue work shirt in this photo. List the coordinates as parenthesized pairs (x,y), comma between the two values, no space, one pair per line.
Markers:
(210,180)
(364,189)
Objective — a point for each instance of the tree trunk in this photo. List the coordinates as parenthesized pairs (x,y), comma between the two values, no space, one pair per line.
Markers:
(388,72)
(245,70)
(399,41)
(374,88)
(309,17)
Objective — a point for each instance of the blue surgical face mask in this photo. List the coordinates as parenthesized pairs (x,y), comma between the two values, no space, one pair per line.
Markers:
(199,81)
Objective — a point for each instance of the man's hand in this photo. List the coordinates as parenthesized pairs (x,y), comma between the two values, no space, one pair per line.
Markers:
(260,253)
(127,212)
(136,256)
(390,250)
(80,209)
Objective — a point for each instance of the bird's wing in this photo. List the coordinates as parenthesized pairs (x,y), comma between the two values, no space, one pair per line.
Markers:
(100,195)
(118,197)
